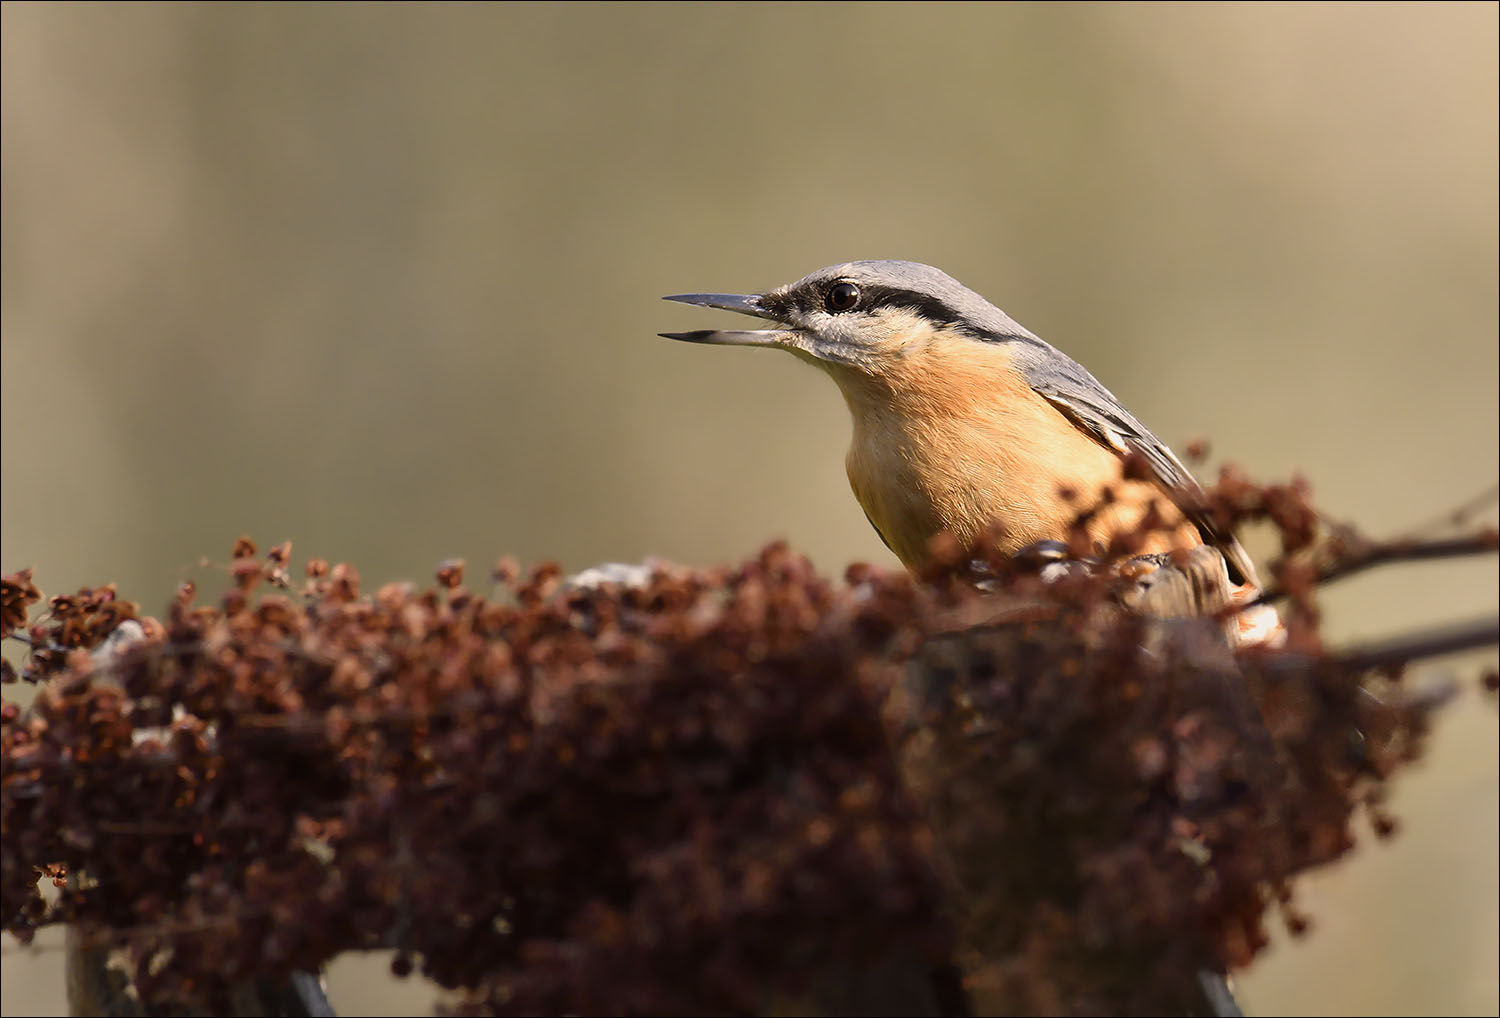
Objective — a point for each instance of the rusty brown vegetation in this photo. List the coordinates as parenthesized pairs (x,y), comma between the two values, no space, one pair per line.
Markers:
(724,791)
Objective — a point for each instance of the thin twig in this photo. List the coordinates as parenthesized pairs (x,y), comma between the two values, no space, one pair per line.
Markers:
(1486,542)
(1401,650)
(1429,643)
(1462,515)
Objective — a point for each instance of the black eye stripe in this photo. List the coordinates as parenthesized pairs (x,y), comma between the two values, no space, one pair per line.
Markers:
(929,307)
(871,296)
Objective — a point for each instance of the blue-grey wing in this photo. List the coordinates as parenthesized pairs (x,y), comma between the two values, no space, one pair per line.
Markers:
(1093,409)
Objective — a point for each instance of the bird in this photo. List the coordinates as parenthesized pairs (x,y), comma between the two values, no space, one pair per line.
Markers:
(966,423)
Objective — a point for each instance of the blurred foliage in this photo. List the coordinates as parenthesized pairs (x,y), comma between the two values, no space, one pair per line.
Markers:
(727,791)
(384,280)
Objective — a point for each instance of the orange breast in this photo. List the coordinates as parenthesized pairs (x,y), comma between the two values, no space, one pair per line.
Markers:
(952,438)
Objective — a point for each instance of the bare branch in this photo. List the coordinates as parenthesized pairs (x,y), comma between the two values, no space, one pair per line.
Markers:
(1369,556)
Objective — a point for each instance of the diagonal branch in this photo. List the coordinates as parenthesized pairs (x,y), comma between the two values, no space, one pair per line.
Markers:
(1486,542)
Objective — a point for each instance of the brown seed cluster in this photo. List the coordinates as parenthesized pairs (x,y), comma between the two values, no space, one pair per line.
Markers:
(560,798)
(726,791)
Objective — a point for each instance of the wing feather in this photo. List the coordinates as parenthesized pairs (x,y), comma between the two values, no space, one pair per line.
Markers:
(1093,409)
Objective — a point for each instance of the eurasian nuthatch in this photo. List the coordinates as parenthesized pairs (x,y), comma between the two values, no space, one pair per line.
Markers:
(964,420)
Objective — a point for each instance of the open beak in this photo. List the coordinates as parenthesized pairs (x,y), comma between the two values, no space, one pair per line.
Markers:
(744,304)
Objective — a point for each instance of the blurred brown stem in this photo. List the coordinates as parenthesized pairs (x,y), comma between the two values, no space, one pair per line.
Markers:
(1378,554)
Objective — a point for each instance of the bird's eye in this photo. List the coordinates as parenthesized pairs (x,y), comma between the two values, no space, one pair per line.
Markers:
(841,297)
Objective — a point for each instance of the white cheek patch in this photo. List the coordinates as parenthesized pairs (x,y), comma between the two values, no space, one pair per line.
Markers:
(897,331)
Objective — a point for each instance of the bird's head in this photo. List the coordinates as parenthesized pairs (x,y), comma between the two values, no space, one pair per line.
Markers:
(860,317)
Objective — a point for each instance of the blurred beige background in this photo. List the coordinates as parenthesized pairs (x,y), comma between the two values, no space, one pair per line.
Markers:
(383,280)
